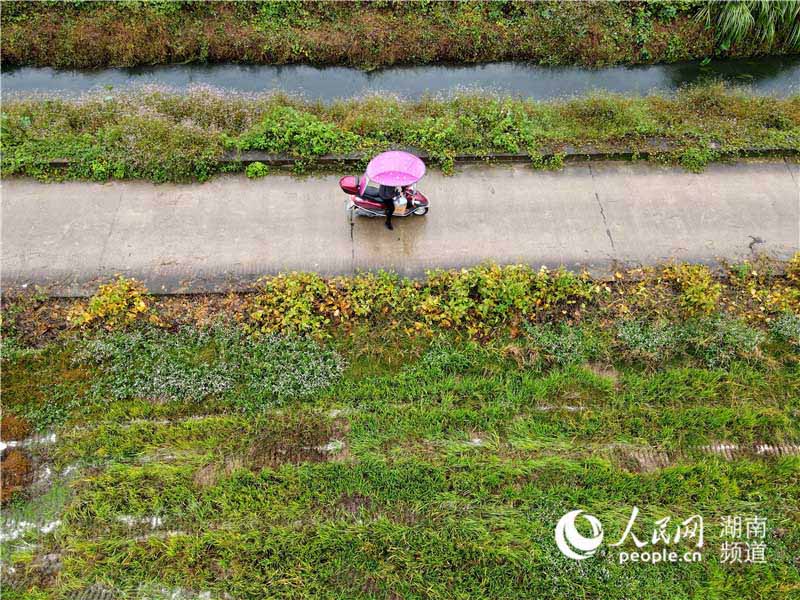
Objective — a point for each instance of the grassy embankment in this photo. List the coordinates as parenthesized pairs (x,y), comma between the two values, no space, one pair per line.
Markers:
(372,437)
(167,137)
(373,34)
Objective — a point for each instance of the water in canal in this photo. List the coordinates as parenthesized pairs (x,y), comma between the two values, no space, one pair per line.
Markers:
(776,75)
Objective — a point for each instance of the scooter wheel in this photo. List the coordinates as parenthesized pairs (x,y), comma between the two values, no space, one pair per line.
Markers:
(422,210)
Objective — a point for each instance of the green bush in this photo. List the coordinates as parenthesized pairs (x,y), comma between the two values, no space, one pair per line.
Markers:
(286,130)
(289,303)
(476,299)
(377,295)
(490,295)
(256,170)
(696,159)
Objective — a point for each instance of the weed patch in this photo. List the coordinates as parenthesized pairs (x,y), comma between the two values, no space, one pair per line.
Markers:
(787,328)
(296,439)
(719,341)
(198,364)
(44,387)
(376,34)
(476,299)
(651,343)
(699,292)
(286,130)
(163,136)
(563,345)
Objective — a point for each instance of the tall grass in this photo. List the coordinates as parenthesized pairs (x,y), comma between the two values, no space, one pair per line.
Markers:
(767,21)
(367,34)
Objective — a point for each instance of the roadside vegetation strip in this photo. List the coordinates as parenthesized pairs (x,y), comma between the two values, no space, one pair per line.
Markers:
(162,136)
(375,34)
(422,437)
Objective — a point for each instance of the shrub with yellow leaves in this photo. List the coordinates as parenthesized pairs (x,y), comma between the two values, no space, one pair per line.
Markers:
(793,269)
(116,304)
(290,303)
(699,292)
(765,291)
(476,299)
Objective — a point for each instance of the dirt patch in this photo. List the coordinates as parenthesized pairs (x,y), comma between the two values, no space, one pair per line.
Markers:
(353,503)
(13,428)
(777,450)
(646,460)
(641,460)
(404,515)
(95,592)
(207,476)
(603,370)
(16,470)
(524,357)
(35,318)
(359,505)
(294,439)
(298,439)
(41,572)
(16,473)
(201,310)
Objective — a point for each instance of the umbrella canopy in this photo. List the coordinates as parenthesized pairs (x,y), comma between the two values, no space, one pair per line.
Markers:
(395,168)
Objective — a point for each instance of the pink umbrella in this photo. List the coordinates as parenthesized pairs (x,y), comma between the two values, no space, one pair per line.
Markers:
(395,168)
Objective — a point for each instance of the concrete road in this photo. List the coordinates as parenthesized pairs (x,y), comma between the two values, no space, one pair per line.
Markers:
(221,234)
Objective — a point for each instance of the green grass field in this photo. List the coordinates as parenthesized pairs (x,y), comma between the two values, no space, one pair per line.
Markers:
(374,460)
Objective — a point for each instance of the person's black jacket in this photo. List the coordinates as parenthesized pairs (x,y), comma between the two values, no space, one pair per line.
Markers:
(387,194)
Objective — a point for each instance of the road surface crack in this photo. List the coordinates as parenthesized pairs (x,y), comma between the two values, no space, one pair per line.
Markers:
(603,215)
(756,240)
(110,233)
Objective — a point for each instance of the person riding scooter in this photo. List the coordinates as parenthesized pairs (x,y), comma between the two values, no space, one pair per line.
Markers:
(387,194)
(390,177)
